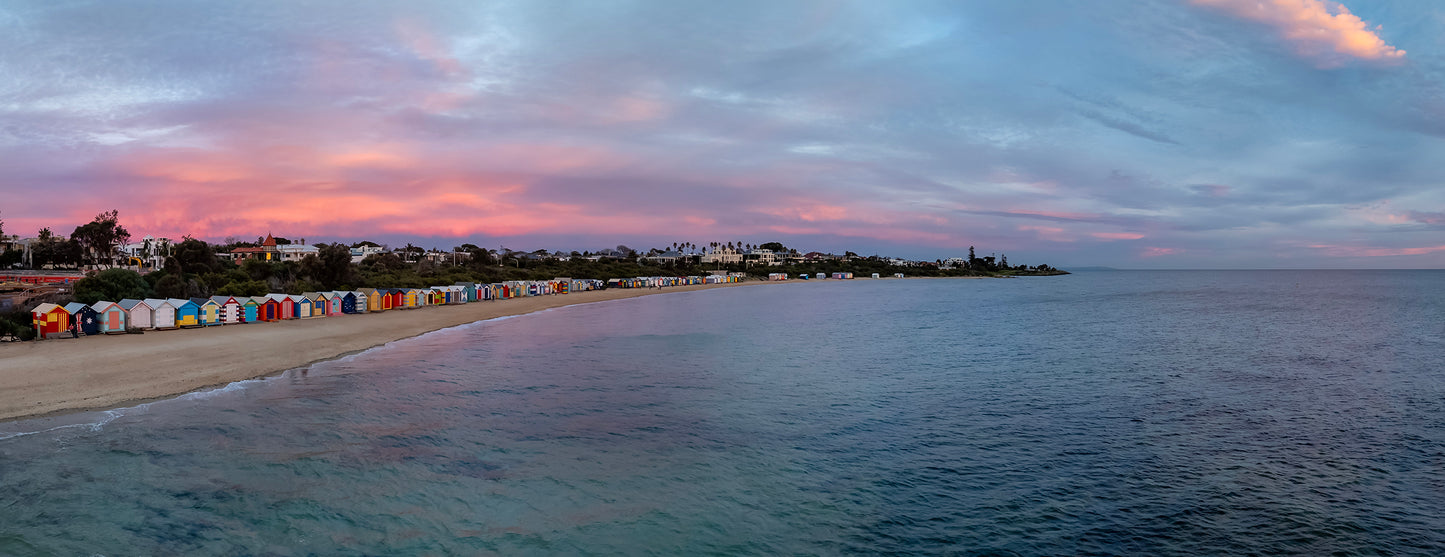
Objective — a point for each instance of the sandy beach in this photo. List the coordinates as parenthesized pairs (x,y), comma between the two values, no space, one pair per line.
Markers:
(89,373)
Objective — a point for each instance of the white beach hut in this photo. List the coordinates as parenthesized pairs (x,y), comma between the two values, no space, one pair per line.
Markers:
(138,314)
(165,313)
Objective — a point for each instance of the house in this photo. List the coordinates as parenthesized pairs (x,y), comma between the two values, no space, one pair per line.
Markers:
(759,256)
(188,314)
(360,253)
(85,316)
(267,251)
(230,310)
(138,314)
(208,312)
(50,320)
(165,313)
(110,316)
(668,257)
(296,252)
(723,255)
(267,308)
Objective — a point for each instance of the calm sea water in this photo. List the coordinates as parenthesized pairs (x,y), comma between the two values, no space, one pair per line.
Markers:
(1129,413)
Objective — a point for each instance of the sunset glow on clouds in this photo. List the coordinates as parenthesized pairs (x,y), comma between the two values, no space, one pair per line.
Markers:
(1156,133)
(1316,27)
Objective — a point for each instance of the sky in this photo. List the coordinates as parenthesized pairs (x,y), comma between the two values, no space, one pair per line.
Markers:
(1123,133)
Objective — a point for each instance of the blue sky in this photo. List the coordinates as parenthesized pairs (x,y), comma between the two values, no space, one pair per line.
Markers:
(1140,134)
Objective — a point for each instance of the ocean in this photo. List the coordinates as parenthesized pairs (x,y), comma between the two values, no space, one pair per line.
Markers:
(1101,413)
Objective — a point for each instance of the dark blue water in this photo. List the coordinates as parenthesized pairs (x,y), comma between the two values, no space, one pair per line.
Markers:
(1125,413)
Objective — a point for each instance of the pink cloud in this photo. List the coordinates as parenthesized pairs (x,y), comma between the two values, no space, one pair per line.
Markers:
(1363,251)
(1117,236)
(1319,29)
(1050,233)
(1156,252)
(809,212)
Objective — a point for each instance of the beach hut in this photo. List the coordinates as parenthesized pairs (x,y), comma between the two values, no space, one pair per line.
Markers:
(50,320)
(374,298)
(409,298)
(333,303)
(300,306)
(110,316)
(469,290)
(267,308)
(138,314)
(84,316)
(363,302)
(230,309)
(318,302)
(188,314)
(348,301)
(287,307)
(248,309)
(208,312)
(165,313)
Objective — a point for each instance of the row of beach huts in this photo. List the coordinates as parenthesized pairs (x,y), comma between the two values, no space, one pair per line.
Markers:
(130,315)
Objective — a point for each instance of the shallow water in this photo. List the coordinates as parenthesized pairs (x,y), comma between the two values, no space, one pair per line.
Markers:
(1138,413)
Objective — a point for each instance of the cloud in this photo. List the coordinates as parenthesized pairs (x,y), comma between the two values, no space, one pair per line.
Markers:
(1117,235)
(1367,251)
(1320,29)
(1156,252)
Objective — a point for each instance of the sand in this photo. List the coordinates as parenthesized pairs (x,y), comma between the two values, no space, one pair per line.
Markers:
(109,371)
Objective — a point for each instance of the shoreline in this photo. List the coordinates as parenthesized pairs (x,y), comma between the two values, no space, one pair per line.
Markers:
(65,376)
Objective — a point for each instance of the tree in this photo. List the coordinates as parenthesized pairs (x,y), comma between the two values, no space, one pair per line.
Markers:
(50,249)
(333,265)
(196,256)
(111,284)
(171,286)
(99,238)
(775,246)
(376,261)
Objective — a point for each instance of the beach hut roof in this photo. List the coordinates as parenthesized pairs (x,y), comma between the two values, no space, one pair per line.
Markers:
(313,296)
(101,306)
(130,304)
(278,297)
(73,307)
(222,300)
(157,302)
(203,301)
(296,298)
(47,308)
(178,302)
